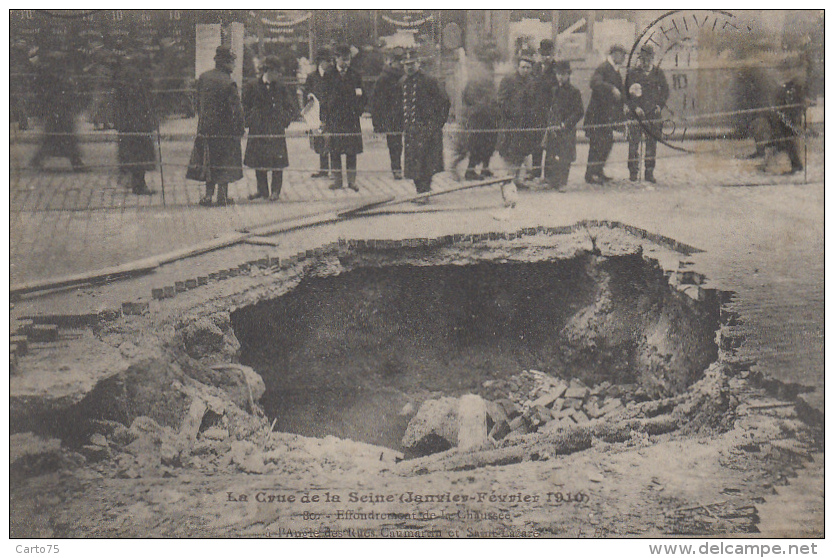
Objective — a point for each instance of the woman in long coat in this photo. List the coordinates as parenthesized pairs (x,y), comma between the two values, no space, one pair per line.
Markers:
(216,158)
(269,108)
(135,120)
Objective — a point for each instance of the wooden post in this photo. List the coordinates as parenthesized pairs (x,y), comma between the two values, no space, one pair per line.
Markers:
(554,26)
(311,35)
(260,26)
(590,17)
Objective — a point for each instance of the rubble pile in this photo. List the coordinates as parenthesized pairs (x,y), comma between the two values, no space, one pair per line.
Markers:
(538,402)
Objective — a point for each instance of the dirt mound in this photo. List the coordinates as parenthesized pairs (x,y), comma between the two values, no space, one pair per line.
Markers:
(163,390)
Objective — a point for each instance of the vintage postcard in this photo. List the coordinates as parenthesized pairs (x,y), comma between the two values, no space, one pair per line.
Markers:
(417,273)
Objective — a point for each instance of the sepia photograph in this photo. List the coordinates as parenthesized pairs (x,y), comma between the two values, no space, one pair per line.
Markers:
(417,274)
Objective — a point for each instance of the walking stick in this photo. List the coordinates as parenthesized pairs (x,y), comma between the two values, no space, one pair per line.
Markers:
(805,138)
(641,154)
(152,107)
(161,171)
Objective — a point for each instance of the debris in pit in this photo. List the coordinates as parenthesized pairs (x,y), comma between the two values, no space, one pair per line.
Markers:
(433,429)
(31,455)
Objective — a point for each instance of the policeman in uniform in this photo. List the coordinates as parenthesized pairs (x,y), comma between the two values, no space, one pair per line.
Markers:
(425,110)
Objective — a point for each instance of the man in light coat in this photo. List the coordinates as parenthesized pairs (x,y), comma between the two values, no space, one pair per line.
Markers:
(216,157)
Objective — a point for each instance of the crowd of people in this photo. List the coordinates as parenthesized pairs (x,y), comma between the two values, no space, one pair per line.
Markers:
(408,106)
(535,112)
(532,115)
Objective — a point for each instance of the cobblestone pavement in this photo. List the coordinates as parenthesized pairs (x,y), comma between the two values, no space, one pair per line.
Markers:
(64,222)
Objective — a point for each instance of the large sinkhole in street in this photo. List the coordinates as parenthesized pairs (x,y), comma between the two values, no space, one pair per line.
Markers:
(354,355)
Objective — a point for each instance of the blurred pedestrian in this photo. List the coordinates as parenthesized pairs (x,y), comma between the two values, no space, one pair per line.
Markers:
(59,103)
(786,122)
(314,87)
(341,109)
(387,109)
(136,121)
(517,101)
(269,108)
(605,111)
(566,110)
(647,93)
(544,72)
(480,120)
(216,158)
(425,111)
(103,76)
(20,83)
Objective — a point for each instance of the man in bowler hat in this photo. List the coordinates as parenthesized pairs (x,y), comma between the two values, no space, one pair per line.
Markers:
(387,109)
(605,111)
(216,158)
(647,93)
(269,107)
(341,108)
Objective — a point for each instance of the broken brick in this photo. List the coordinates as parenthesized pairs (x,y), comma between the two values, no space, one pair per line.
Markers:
(496,412)
(518,424)
(575,392)
(579,416)
(43,333)
(500,430)
(179,286)
(551,396)
(158,294)
(510,408)
(21,343)
(190,283)
(202,280)
(170,291)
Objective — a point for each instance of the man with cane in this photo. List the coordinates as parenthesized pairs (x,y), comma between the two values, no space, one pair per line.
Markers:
(646,94)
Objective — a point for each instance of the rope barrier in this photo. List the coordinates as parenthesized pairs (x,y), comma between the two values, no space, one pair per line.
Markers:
(452,131)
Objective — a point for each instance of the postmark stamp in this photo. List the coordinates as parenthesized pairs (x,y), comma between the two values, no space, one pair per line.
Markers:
(683,44)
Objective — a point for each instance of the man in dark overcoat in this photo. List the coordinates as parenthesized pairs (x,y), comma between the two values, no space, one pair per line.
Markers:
(565,113)
(136,122)
(344,102)
(59,101)
(517,100)
(605,111)
(216,157)
(647,92)
(425,111)
(314,86)
(544,72)
(269,108)
(387,109)
(786,122)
